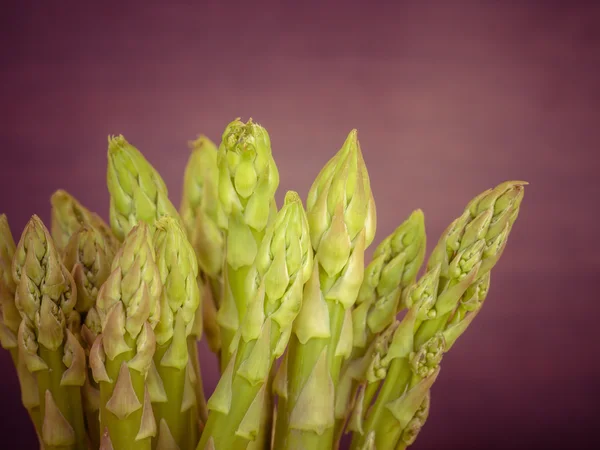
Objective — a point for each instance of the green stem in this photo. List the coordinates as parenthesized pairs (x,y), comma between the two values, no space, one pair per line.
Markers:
(67,398)
(123,432)
(199,386)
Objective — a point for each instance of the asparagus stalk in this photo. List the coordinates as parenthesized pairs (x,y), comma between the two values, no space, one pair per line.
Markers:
(178,268)
(68,215)
(10,319)
(137,192)
(88,257)
(394,267)
(248,179)
(45,297)
(275,283)
(341,215)
(414,426)
(129,309)
(457,280)
(204,220)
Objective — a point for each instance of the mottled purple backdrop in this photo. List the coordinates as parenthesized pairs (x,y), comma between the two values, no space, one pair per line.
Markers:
(448,101)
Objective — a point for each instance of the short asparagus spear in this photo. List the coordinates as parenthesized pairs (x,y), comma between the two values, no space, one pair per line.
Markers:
(395,265)
(204,222)
(282,266)
(341,215)
(10,319)
(177,412)
(129,309)
(46,296)
(248,179)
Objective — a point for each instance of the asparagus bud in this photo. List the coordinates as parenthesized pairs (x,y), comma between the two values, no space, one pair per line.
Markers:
(137,192)
(282,266)
(129,309)
(248,179)
(45,296)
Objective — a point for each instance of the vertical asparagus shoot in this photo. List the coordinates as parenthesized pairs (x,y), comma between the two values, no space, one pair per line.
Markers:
(177,412)
(282,266)
(248,179)
(46,296)
(128,306)
(341,216)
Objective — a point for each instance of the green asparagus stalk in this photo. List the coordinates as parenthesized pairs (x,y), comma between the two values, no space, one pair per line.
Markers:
(177,412)
(414,426)
(137,192)
(88,257)
(10,319)
(456,281)
(275,283)
(341,215)
(248,179)
(121,356)
(204,220)
(46,295)
(68,215)
(395,264)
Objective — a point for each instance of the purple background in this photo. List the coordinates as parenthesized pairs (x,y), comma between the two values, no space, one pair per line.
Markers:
(448,100)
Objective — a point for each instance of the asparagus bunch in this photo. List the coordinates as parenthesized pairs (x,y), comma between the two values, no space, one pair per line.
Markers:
(282,266)
(441,305)
(45,296)
(341,216)
(248,179)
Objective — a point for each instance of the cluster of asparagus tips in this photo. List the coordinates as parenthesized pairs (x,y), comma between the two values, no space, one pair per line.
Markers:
(441,305)
(341,216)
(248,179)
(46,296)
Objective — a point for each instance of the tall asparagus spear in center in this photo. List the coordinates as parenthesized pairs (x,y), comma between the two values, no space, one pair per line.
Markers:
(283,264)
(177,412)
(129,309)
(248,179)
(341,215)
(45,296)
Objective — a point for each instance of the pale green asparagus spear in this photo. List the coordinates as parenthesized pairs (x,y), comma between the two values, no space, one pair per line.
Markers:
(341,215)
(248,179)
(46,296)
(283,265)
(10,319)
(129,309)
(180,299)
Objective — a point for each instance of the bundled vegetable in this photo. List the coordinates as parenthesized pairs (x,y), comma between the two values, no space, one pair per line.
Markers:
(102,322)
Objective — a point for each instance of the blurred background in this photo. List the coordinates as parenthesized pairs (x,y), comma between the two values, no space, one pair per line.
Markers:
(450,98)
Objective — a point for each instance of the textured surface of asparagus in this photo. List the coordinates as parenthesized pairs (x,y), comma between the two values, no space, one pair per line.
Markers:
(177,411)
(137,192)
(46,296)
(275,283)
(204,222)
(129,308)
(442,304)
(394,267)
(341,215)
(10,319)
(248,179)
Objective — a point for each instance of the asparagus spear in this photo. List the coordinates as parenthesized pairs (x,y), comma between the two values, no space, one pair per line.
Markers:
(248,179)
(45,296)
(341,215)
(68,215)
(457,280)
(137,192)
(282,266)
(129,309)
(395,264)
(178,268)
(88,257)
(204,221)
(10,319)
